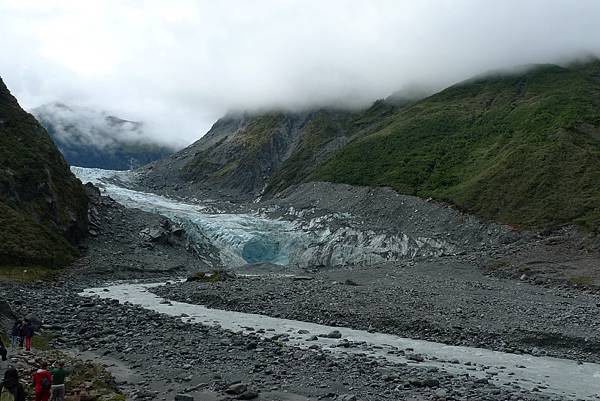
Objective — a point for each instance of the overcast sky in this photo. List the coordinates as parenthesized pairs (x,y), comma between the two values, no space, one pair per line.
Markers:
(179,65)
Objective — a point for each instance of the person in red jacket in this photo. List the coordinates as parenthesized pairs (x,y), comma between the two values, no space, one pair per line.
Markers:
(42,383)
(28,331)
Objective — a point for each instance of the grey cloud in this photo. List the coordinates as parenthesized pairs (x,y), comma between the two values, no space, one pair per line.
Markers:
(84,126)
(179,65)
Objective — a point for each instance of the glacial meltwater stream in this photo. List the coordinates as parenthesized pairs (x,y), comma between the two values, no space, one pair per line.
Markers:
(245,238)
(565,378)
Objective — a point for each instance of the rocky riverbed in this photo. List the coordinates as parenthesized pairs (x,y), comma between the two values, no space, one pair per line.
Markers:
(447,300)
(169,356)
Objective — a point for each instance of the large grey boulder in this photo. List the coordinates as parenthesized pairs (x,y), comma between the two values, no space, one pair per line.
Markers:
(7,316)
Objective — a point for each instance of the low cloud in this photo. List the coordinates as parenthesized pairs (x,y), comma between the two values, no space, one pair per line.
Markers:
(84,126)
(179,65)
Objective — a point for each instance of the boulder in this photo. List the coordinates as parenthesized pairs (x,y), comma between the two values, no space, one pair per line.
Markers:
(415,357)
(7,316)
(334,334)
(431,382)
(248,395)
(35,322)
(236,389)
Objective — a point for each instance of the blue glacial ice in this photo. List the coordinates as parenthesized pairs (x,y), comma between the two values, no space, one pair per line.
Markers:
(240,238)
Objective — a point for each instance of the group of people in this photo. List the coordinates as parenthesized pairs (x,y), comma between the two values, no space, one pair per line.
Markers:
(21,334)
(48,384)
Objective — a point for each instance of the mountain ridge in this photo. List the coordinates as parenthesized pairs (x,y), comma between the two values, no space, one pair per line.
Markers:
(509,148)
(489,145)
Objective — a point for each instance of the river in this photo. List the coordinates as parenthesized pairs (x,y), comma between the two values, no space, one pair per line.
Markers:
(250,238)
(562,377)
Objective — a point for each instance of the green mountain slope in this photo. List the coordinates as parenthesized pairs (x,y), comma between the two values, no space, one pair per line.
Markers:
(43,207)
(253,154)
(521,148)
(323,134)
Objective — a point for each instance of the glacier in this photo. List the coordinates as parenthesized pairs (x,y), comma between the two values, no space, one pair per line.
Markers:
(249,238)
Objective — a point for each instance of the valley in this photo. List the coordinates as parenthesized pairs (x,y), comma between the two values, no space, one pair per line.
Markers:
(426,248)
(422,320)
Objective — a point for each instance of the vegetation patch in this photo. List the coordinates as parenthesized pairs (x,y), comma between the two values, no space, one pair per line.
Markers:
(581,280)
(211,277)
(42,340)
(513,148)
(27,274)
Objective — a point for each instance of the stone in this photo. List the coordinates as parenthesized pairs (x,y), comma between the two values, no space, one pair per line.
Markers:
(415,357)
(431,382)
(236,389)
(334,334)
(302,278)
(248,395)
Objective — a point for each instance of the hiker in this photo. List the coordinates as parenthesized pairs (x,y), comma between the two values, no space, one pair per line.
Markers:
(28,332)
(22,334)
(58,381)
(10,388)
(3,350)
(15,333)
(42,383)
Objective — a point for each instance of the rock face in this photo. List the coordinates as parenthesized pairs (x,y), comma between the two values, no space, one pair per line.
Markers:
(7,317)
(247,155)
(43,207)
(90,138)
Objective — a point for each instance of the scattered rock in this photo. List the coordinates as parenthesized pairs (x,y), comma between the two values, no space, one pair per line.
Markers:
(236,389)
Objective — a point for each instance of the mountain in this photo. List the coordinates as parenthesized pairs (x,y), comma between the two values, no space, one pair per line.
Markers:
(43,207)
(89,138)
(247,155)
(520,148)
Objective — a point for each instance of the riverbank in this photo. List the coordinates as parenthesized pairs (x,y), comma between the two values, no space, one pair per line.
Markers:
(172,356)
(446,300)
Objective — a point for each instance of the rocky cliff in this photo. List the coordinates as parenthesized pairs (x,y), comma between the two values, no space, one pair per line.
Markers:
(43,207)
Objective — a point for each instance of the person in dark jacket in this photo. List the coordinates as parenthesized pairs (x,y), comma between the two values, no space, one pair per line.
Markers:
(10,387)
(22,334)
(28,332)
(3,351)
(15,333)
